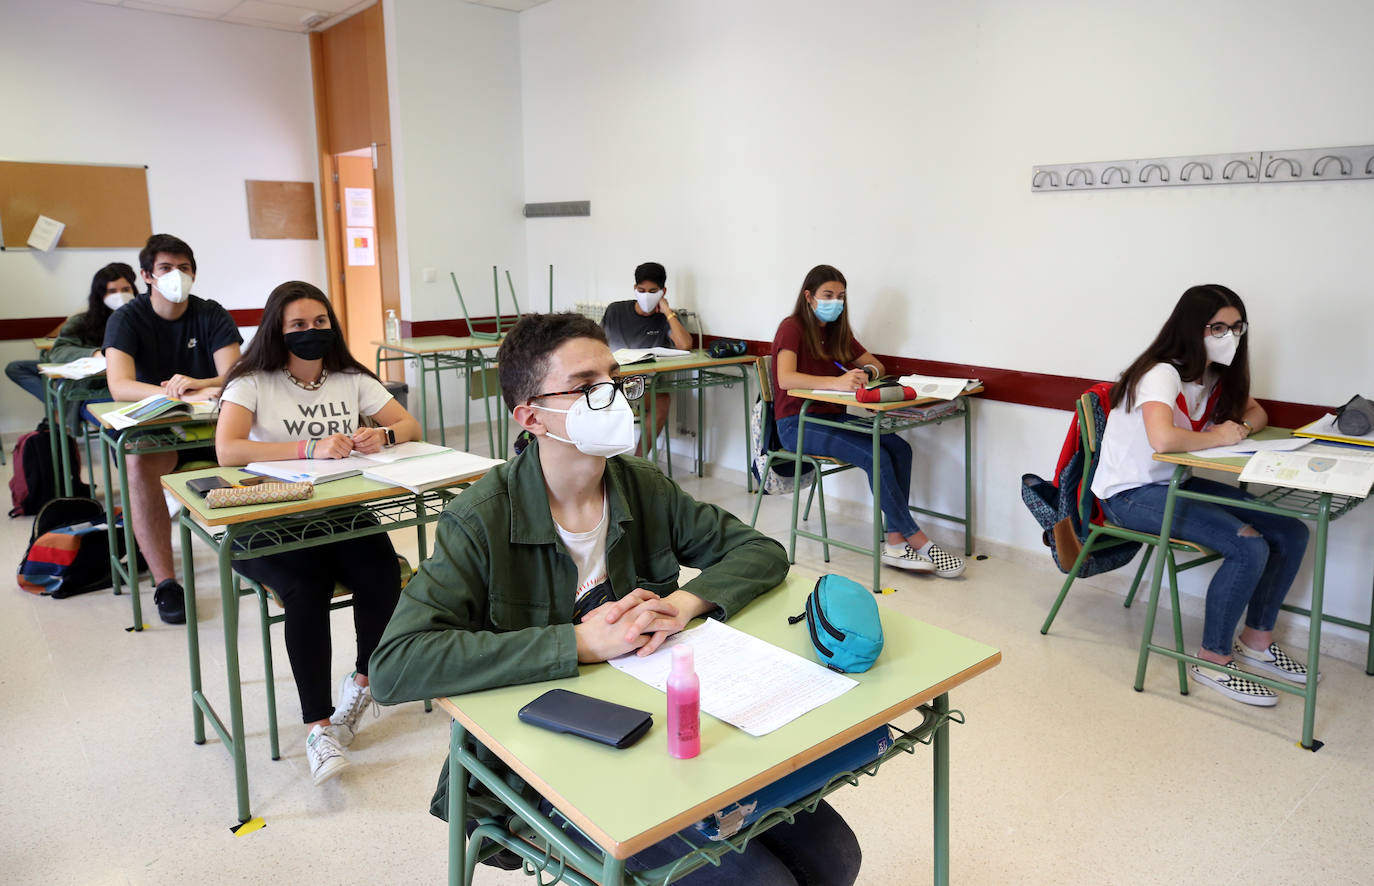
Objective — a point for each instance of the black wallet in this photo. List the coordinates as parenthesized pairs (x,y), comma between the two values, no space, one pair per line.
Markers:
(559,710)
(203,485)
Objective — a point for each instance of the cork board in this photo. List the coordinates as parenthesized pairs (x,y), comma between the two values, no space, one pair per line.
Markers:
(102,206)
(281,210)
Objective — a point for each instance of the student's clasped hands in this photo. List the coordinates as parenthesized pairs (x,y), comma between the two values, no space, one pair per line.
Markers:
(341,445)
(640,620)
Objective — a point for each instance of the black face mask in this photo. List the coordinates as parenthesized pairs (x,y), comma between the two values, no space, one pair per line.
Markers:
(310,344)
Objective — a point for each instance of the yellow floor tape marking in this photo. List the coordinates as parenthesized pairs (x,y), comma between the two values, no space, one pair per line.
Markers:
(248,827)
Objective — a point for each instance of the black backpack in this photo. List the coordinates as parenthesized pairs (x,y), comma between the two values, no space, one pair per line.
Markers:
(34,482)
(69,549)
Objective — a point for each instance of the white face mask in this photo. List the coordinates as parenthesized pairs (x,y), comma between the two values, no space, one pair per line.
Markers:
(116,300)
(175,285)
(1221,350)
(604,432)
(648,301)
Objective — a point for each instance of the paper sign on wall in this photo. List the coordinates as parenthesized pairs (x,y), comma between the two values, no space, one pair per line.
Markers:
(46,233)
(358,207)
(361,249)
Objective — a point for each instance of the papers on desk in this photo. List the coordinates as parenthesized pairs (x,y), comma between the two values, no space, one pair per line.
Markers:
(1316,468)
(1249,447)
(83,368)
(627,356)
(415,466)
(157,406)
(938,387)
(779,688)
(1325,428)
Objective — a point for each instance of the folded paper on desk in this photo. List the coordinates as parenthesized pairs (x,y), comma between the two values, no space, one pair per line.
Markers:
(626,356)
(1317,469)
(938,387)
(1246,447)
(157,406)
(432,471)
(781,686)
(83,368)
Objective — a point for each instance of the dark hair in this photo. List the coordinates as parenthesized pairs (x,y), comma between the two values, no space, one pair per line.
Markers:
(651,272)
(164,243)
(92,326)
(267,351)
(523,357)
(836,345)
(1180,343)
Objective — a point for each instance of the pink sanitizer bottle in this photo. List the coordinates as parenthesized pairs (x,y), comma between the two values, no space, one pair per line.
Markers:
(684,706)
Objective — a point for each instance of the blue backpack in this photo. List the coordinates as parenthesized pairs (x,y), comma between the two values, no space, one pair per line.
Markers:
(846,631)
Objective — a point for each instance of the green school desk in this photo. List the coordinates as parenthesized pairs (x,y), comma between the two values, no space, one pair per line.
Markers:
(699,371)
(158,435)
(1316,507)
(439,353)
(879,419)
(58,394)
(339,510)
(588,782)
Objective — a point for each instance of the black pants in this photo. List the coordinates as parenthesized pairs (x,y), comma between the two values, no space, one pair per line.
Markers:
(304,580)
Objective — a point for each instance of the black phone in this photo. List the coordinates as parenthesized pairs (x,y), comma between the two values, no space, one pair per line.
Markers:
(559,710)
(202,485)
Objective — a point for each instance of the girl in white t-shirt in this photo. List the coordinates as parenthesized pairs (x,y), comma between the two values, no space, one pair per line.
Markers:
(298,393)
(1191,390)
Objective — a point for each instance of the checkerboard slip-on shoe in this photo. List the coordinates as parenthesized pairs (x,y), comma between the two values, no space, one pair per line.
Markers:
(906,557)
(946,564)
(1272,662)
(1233,685)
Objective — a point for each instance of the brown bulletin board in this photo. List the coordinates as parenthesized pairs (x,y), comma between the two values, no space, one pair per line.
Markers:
(102,206)
(281,210)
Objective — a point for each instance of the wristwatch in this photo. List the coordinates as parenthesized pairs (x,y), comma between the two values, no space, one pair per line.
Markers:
(390,436)
(672,315)
(1248,427)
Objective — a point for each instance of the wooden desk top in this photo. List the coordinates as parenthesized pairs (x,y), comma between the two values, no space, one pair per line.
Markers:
(841,400)
(590,782)
(99,410)
(43,345)
(1231,465)
(335,493)
(694,360)
(438,344)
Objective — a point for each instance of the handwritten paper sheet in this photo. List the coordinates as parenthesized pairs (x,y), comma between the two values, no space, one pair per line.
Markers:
(748,683)
(1246,447)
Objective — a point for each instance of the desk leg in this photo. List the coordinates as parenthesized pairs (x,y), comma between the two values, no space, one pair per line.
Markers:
(612,871)
(58,434)
(230,602)
(968,477)
(701,437)
(50,410)
(877,434)
(467,402)
(110,528)
(192,633)
(457,807)
(1369,645)
(941,765)
(1161,558)
(130,542)
(424,400)
(486,405)
(796,485)
(439,399)
(1314,639)
(748,428)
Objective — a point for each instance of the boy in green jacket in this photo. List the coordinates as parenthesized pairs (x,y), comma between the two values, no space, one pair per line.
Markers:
(568,554)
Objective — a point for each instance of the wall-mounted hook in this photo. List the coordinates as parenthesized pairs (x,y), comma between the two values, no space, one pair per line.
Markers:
(1082,173)
(1294,167)
(1250,171)
(1048,173)
(1195,164)
(1342,162)
(1122,174)
(1369,167)
(1145,172)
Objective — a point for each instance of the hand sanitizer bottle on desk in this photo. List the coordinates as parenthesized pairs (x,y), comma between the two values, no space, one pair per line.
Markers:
(684,706)
(393,327)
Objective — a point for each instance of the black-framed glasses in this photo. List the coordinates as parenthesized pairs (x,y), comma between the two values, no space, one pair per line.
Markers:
(600,394)
(1219,330)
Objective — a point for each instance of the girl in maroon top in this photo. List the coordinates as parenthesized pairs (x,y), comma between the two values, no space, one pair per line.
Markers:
(815,349)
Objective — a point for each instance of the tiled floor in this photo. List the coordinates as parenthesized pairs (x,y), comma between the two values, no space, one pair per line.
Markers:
(1061,775)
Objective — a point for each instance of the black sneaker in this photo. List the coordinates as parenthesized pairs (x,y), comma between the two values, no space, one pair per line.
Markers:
(171,602)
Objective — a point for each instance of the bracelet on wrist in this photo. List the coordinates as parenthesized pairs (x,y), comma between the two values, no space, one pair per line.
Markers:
(310,448)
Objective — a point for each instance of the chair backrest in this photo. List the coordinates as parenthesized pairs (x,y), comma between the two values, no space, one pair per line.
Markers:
(1090,433)
(764,365)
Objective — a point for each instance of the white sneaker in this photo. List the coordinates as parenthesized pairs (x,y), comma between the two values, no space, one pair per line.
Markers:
(354,701)
(1272,662)
(323,751)
(943,563)
(905,557)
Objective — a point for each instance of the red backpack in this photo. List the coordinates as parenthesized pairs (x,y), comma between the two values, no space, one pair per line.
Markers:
(34,482)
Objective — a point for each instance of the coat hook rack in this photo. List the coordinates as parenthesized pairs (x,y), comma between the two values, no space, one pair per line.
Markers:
(1247,167)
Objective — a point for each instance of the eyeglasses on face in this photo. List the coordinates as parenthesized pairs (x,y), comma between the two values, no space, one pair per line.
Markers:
(1219,330)
(600,394)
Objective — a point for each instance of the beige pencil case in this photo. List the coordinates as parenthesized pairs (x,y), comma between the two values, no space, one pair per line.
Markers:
(262,493)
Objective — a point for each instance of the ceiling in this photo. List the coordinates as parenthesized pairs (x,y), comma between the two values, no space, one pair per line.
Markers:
(299,16)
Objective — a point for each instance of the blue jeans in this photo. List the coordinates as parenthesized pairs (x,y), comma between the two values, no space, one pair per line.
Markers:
(816,849)
(1256,571)
(856,447)
(25,374)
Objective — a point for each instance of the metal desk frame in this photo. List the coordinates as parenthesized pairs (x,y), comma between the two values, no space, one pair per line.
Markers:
(462,355)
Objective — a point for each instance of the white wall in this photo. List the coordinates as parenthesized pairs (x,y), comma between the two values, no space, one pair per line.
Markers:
(205,105)
(742,143)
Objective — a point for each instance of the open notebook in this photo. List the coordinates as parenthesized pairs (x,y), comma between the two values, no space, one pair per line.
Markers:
(416,466)
(157,406)
(627,356)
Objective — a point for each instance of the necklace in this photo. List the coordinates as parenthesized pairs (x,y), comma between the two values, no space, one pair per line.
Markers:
(308,386)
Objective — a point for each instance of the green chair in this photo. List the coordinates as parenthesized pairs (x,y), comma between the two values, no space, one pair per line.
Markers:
(822,466)
(1106,535)
(343,598)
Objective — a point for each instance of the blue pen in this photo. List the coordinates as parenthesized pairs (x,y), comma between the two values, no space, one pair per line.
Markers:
(839,366)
